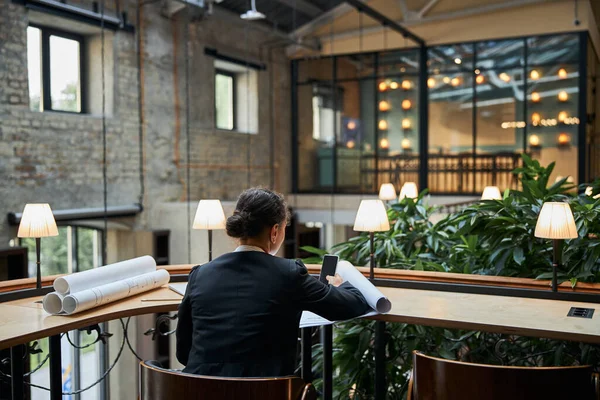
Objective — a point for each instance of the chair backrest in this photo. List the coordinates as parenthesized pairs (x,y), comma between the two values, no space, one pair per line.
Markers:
(439,379)
(158,384)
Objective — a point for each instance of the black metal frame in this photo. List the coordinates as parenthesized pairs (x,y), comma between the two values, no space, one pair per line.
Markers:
(63,10)
(233,77)
(423,74)
(46,95)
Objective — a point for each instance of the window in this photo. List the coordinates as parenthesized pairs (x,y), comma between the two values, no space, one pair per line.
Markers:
(54,64)
(225,100)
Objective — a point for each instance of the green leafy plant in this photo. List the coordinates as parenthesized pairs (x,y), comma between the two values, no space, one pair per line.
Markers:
(491,237)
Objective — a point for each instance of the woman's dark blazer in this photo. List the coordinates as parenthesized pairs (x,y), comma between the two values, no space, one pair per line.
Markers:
(240,314)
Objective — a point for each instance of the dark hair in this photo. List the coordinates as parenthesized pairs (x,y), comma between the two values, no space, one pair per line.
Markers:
(256,210)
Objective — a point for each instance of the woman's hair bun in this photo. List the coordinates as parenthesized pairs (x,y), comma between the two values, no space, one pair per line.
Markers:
(257,209)
(237,224)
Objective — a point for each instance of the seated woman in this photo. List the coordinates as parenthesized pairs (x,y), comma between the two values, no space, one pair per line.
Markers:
(240,313)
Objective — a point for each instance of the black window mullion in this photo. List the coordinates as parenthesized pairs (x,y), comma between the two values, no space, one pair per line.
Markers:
(46,97)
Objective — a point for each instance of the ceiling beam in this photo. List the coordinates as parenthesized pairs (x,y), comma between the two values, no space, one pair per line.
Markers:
(385,21)
(442,17)
(322,20)
(303,6)
(427,8)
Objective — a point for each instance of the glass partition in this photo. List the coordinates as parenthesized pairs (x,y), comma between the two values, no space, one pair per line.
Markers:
(488,103)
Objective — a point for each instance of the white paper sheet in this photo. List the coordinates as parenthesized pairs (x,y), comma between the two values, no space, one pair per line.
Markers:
(178,287)
(80,281)
(86,299)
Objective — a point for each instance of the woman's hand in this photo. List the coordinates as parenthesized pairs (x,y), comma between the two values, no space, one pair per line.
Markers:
(336,280)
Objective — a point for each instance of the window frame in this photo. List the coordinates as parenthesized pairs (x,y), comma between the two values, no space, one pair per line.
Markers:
(46,97)
(232,75)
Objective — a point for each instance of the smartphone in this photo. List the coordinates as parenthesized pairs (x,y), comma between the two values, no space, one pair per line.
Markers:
(328,267)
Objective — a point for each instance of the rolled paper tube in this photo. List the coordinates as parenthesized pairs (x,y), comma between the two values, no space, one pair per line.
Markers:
(53,303)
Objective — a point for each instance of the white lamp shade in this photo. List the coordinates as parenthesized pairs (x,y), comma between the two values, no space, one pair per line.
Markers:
(556,222)
(387,191)
(37,221)
(209,215)
(491,193)
(409,189)
(371,217)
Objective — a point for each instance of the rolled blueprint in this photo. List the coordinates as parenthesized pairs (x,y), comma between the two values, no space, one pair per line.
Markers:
(97,296)
(374,297)
(53,303)
(80,281)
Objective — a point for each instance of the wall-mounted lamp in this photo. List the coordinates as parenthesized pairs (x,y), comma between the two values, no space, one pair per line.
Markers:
(383,125)
(383,86)
(534,75)
(406,104)
(406,124)
(406,144)
(563,96)
(384,143)
(562,116)
(480,79)
(430,83)
(394,85)
(351,144)
(351,125)
(384,106)
(564,139)
(534,142)
(455,82)
(406,85)
(535,97)
(536,118)
(562,73)
(446,79)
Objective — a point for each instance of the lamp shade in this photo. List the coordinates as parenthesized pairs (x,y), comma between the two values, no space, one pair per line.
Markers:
(209,215)
(37,222)
(387,191)
(491,193)
(409,189)
(371,217)
(556,222)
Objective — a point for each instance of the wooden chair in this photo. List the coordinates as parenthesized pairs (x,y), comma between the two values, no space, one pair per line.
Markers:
(438,379)
(157,383)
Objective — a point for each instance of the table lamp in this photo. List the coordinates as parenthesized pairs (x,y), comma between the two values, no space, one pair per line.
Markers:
(209,216)
(556,222)
(409,189)
(371,217)
(491,193)
(37,222)
(387,192)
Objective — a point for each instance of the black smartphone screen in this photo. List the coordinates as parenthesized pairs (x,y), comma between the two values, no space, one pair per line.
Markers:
(328,267)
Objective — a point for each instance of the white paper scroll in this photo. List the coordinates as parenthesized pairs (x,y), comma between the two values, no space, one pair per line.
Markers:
(378,302)
(84,290)
(100,276)
(114,291)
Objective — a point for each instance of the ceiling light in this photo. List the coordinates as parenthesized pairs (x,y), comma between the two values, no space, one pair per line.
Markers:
(253,14)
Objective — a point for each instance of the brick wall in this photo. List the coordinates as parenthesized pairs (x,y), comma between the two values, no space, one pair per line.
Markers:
(57,157)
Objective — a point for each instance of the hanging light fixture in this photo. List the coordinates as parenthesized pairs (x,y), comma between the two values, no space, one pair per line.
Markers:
(406,85)
(394,85)
(479,79)
(253,14)
(351,125)
(504,76)
(405,144)
(455,82)
(534,141)
(384,143)
(383,125)
(383,86)
(535,97)
(446,79)
(536,118)
(406,104)
(564,139)
(430,83)
(406,124)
